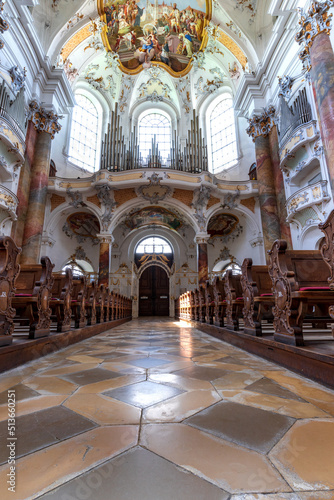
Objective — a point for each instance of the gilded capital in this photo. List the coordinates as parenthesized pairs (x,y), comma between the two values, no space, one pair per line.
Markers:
(262,124)
(313,22)
(43,120)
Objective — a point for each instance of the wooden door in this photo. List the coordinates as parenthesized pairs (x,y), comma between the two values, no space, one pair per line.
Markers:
(154,292)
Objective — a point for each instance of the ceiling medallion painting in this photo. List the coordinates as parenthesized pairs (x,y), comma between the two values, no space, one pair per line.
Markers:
(153,216)
(222,225)
(142,32)
(82,225)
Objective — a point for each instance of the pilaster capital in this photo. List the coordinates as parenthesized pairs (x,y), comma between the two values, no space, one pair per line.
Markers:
(262,124)
(43,120)
(105,238)
(313,22)
(202,238)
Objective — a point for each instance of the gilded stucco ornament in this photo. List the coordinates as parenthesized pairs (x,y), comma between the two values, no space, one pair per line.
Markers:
(154,192)
(43,120)
(312,22)
(262,124)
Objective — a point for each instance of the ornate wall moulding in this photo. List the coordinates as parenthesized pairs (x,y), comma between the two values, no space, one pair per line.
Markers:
(145,33)
(154,192)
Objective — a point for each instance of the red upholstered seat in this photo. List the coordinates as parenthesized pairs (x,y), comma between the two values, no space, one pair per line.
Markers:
(305,288)
(239,298)
(266,295)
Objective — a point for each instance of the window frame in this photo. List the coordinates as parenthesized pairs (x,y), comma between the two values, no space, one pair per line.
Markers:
(154,237)
(99,114)
(156,111)
(212,107)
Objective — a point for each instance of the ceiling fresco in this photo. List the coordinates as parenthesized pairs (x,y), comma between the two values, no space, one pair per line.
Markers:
(221,225)
(82,225)
(142,32)
(153,216)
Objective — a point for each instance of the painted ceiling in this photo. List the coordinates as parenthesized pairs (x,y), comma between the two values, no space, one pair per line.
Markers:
(176,52)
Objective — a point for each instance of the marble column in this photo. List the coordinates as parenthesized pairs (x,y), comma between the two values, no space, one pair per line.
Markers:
(104,258)
(24,185)
(202,258)
(279,187)
(259,128)
(318,59)
(46,124)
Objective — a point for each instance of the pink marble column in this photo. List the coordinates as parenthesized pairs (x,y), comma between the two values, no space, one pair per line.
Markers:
(104,260)
(259,129)
(46,124)
(24,186)
(202,259)
(318,59)
(279,187)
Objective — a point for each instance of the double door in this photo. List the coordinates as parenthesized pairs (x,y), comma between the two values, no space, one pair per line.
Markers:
(154,292)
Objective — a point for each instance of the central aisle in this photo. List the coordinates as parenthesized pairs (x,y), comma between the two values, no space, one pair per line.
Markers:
(156,410)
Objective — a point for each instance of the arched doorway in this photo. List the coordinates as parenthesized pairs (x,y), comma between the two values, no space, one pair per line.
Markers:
(154,292)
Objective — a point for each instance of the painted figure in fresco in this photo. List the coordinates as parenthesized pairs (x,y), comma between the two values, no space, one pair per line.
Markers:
(175,34)
(187,43)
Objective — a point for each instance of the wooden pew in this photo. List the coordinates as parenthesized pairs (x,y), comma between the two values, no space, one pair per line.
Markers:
(258,297)
(100,303)
(234,299)
(327,248)
(197,305)
(177,308)
(78,302)
(219,301)
(60,302)
(209,303)
(9,271)
(91,304)
(301,291)
(33,293)
(202,303)
(107,305)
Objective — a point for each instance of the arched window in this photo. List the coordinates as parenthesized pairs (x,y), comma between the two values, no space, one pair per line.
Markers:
(154,126)
(222,133)
(153,245)
(236,269)
(84,133)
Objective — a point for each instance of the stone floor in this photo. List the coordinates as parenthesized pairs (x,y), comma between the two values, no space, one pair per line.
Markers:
(155,410)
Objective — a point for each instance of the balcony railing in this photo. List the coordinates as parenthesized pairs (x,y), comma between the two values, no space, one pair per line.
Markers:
(307,196)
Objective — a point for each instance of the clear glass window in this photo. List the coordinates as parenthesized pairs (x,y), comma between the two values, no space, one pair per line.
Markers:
(153,244)
(222,133)
(84,133)
(158,126)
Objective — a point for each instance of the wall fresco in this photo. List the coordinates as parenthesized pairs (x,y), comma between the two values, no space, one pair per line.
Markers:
(153,215)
